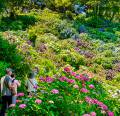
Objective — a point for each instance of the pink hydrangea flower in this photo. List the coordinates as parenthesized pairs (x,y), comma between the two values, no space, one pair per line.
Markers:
(110,113)
(89,100)
(91,86)
(20,94)
(63,78)
(103,107)
(84,78)
(22,106)
(77,76)
(83,84)
(76,86)
(67,69)
(18,101)
(38,101)
(70,81)
(81,75)
(42,79)
(84,90)
(92,114)
(73,73)
(49,79)
(36,87)
(95,101)
(55,91)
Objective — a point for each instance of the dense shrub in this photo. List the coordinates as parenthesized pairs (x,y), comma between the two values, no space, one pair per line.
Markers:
(64,95)
(95,22)
(72,58)
(21,22)
(9,54)
(3,66)
(104,36)
(16,25)
(46,38)
(67,33)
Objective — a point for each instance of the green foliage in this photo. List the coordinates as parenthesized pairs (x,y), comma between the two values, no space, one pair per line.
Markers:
(32,37)
(46,38)
(72,58)
(69,15)
(3,66)
(12,5)
(52,23)
(9,54)
(95,22)
(107,9)
(80,18)
(21,22)
(67,33)
(16,25)
(2,6)
(104,36)
(68,101)
(60,5)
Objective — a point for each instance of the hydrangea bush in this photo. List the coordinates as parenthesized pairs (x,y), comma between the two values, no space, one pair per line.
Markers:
(71,93)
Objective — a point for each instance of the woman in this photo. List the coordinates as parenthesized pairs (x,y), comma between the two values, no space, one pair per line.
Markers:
(31,82)
(15,85)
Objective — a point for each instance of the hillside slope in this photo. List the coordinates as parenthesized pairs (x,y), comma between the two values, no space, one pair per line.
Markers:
(52,42)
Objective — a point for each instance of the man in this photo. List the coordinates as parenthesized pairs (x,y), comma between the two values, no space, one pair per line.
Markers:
(6,93)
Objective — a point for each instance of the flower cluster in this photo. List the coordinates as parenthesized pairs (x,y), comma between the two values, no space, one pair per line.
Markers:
(82,77)
(73,73)
(63,78)
(84,90)
(18,101)
(20,94)
(47,79)
(72,85)
(100,104)
(38,101)
(76,86)
(91,114)
(35,87)
(67,69)
(91,86)
(22,106)
(67,79)
(55,91)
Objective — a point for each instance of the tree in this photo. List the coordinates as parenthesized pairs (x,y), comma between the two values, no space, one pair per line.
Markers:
(104,8)
(11,6)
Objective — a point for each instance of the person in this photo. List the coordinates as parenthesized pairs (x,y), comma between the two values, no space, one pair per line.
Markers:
(15,85)
(6,84)
(31,82)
